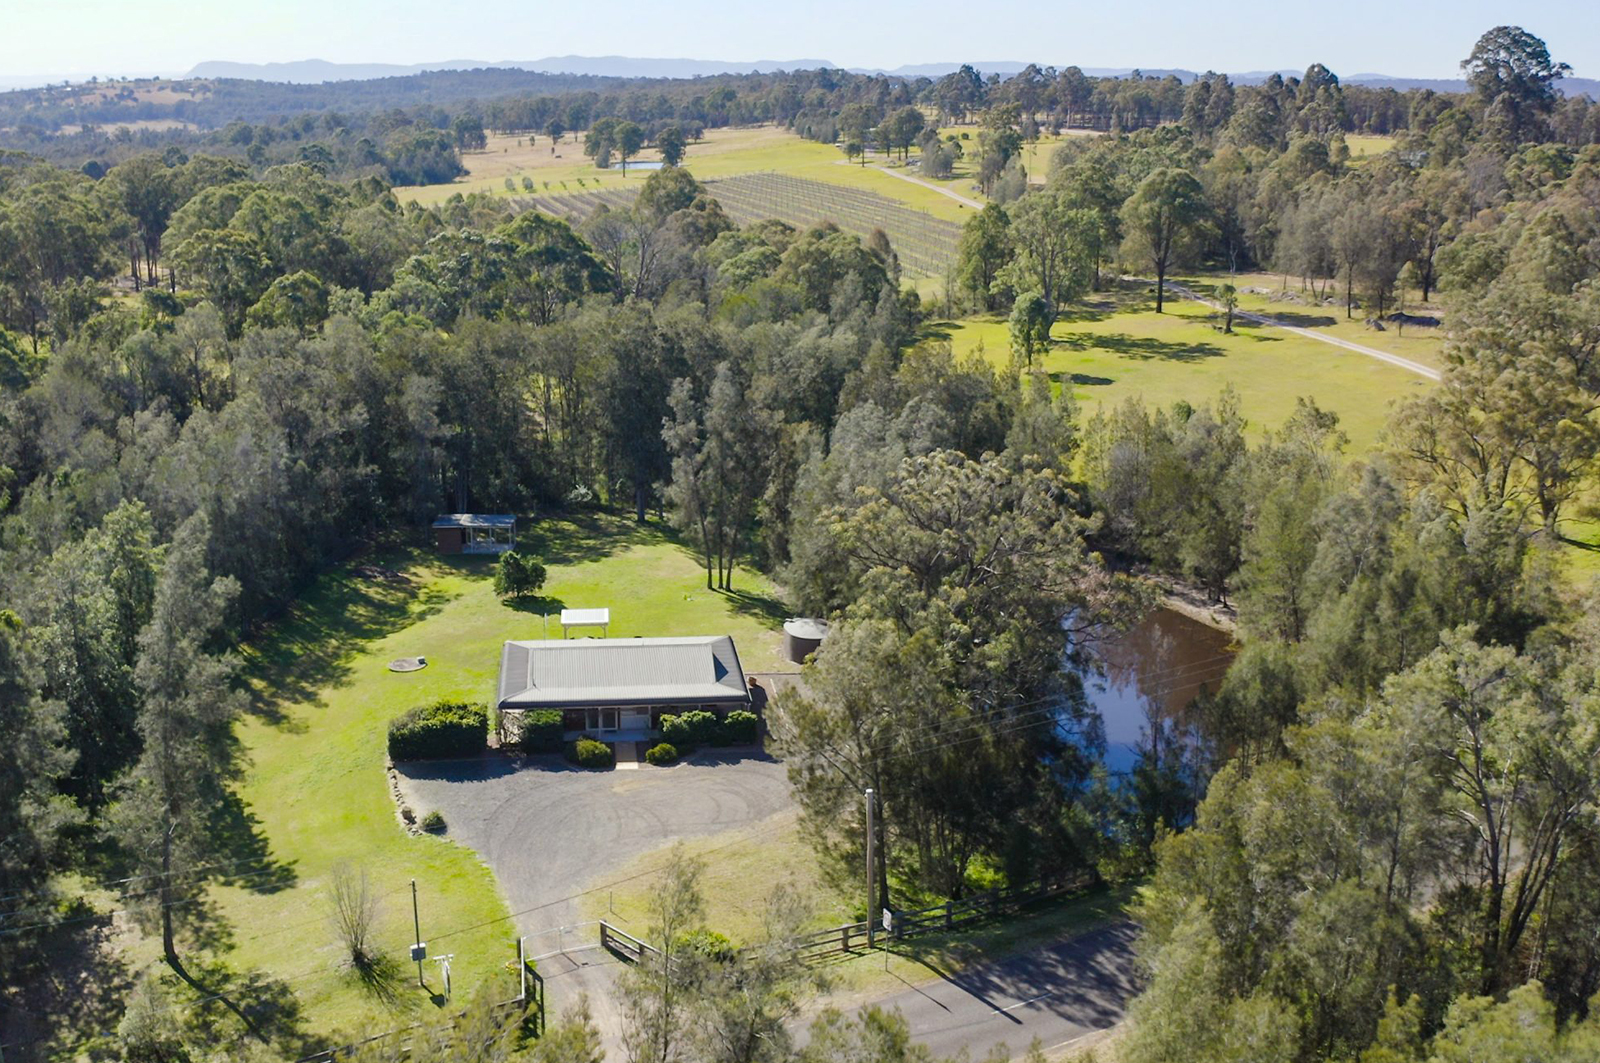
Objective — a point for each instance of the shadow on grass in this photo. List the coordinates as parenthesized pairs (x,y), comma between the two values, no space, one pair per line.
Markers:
(1140,347)
(762,607)
(536,604)
(310,648)
(381,978)
(1082,379)
(1295,318)
(936,332)
(77,986)
(568,538)
(238,833)
(269,1002)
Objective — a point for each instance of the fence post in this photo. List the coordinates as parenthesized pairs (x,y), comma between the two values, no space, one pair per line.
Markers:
(949,916)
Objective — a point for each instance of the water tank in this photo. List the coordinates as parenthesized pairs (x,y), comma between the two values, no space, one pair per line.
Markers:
(802,636)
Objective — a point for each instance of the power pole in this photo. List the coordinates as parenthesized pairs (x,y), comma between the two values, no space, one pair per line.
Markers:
(872,878)
(418,950)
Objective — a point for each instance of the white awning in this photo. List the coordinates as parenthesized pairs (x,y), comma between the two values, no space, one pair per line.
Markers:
(585,617)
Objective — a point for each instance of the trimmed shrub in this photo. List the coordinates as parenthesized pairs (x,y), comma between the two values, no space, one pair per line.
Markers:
(443,729)
(689,730)
(741,728)
(661,754)
(541,731)
(433,822)
(591,754)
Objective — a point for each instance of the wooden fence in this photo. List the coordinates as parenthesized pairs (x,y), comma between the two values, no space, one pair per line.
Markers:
(951,915)
(624,945)
(852,938)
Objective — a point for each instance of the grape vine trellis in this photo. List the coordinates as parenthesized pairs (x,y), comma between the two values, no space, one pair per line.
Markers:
(926,244)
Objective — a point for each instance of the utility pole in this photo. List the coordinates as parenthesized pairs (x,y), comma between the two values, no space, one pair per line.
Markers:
(419,951)
(872,878)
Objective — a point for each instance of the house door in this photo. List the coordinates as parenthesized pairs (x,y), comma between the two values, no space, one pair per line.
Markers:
(608,720)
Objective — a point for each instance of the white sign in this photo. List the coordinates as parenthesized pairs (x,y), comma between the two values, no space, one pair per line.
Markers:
(888,921)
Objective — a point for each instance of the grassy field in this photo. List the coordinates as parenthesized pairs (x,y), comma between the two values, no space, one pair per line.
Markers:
(1367,145)
(723,153)
(315,788)
(1118,347)
(1262,293)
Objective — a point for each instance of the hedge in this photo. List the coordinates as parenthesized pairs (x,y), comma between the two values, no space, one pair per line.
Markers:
(443,729)
(741,728)
(696,728)
(591,754)
(661,754)
(689,730)
(541,731)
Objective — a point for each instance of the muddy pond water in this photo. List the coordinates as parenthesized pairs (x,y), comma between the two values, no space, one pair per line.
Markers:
(1152,672)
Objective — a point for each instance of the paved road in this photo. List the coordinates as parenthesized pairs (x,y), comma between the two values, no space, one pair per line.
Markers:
(1057,994)
(1371,352)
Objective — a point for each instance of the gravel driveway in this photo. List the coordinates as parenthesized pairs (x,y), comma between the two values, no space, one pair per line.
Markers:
(550,831)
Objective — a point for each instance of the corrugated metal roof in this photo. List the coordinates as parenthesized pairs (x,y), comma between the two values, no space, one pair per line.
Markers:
(546,673)
(475,520)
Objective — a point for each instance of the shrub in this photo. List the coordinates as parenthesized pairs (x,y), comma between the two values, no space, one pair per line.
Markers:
(741,728)
(591,754)
(518,575)
(688,730)
(707,943)
(433,822)
(443,729)
(541,731)
(661,754)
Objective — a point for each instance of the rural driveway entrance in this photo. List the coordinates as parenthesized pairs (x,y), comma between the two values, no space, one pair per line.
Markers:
(550,832)
(1058,994)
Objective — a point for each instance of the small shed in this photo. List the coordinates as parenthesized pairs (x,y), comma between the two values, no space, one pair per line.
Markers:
(475,533)
(802,636)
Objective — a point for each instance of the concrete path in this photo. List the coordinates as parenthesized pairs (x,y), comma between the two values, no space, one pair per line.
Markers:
(1321,337)
(1057,994)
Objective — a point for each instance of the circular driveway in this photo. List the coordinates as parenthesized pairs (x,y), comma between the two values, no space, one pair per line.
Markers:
(550,831)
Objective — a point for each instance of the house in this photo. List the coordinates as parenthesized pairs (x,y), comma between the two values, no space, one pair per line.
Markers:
(475,533)
(618,689)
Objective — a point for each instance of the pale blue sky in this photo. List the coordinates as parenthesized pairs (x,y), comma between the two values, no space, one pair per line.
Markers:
(1416,38)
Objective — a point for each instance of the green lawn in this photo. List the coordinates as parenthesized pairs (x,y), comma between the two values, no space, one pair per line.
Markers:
(1425,345)
(1118,347)
(315,783)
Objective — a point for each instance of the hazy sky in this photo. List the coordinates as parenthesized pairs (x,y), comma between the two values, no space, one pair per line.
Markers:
(1416,38)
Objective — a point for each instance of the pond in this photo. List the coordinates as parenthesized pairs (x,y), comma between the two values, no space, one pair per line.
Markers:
(1152,672)
(639,165)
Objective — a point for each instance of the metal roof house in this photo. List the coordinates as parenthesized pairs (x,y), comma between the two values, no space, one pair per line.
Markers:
(619,688)
(475,533)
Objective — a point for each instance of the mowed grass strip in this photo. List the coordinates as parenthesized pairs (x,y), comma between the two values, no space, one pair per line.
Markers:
(315,787)
(1117,347)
